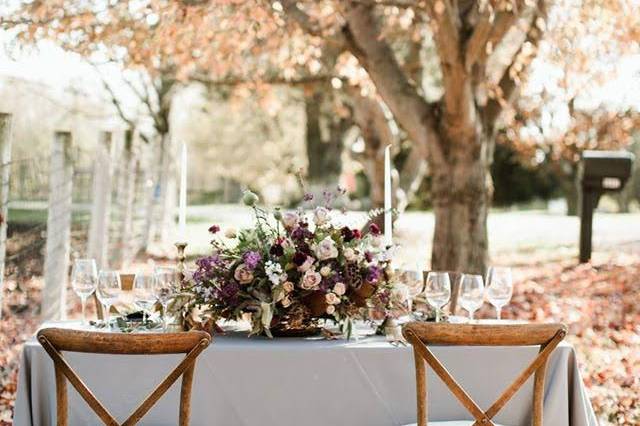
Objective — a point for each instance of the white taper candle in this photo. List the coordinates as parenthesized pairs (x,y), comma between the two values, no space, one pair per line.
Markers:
(182,213)
(388,233)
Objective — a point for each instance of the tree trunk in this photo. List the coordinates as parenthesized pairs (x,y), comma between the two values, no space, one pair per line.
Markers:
(324,137)
(461,192)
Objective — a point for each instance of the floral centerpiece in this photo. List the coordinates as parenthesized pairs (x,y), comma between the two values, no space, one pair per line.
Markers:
(291,270)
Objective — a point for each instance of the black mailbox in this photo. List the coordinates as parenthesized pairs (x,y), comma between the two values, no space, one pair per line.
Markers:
(600,172)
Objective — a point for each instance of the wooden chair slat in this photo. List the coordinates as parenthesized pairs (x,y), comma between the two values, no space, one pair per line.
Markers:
(55,340)
(121,343)
(483,334)
(547,336)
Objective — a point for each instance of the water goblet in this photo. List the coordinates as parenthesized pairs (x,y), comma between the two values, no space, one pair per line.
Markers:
(165,287)
(84,277)
(499,288)
(437,291)
(143,294)
(471,293)
(108,291)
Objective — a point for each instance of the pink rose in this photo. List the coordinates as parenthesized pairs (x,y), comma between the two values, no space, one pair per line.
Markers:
(288,286)
(331,309)
(290,219)
(339,289)
(243,274)
(307,264)
(326,249)
(310,280)
(332,299)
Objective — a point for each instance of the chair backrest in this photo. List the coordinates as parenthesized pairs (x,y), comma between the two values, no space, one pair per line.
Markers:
(547,336)
(56,340)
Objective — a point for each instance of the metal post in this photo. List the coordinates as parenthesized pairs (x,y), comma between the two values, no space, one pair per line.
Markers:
(5,174)
(589,201)
(58,246)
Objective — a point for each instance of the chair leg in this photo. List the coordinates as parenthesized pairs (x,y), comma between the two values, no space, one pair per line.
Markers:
(61,398)
(421,388)
(185,395)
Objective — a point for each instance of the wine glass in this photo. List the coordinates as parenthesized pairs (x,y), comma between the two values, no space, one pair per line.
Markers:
(166,285)
(108,290)
(414,280)
(499,288)
(437,291)
(143,294)
(471,293)
(84,277)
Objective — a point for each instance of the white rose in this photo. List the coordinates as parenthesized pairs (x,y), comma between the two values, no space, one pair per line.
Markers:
(306,265)
(310,280)
(320,215)
(349,254)
(326,249)
(332,298)
(331,309)
(231,232)
(288,286)
(286,302)
(325,271)
(290,219)
(376,241)
(339,289)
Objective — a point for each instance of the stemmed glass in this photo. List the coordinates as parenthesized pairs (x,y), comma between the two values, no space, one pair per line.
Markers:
(143,294)
(84,277)
(499,288)
(108,290)
(437,291)
(165,287)
(414,280)
(471,293)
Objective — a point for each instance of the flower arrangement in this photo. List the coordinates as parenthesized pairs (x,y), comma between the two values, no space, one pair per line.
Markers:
(292,269)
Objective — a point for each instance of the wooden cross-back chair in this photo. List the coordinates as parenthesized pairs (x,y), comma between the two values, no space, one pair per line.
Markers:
(56,340)
(419,335)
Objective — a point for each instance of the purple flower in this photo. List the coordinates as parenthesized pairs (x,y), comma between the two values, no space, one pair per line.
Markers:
(214,229)
(251,259)
(276,250)
(368,256)
(374,273)
(229,291)
(301,232)
(308,196)
(299,258)
(207,263)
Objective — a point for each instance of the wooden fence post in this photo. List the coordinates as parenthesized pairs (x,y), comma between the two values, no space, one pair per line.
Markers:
(129,163)
(5,174)
(98,244)
(58,246)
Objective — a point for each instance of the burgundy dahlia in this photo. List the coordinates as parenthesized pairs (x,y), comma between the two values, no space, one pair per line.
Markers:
(214,229)
(374,229)
(276,250)
(299,258)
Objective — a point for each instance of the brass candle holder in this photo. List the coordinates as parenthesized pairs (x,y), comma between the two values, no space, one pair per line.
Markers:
(181,265)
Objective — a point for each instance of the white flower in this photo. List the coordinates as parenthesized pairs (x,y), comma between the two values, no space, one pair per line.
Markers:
(286,302)
(331,309)
(310,280)
(332,298)
(290,219)
(306,265)
(231,232)
(325,271)
(326,249)
(288,286)
(321,215)
(274,272)
(339,289)
(349,254)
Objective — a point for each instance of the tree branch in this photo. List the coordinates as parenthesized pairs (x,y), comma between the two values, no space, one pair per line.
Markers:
(364,40)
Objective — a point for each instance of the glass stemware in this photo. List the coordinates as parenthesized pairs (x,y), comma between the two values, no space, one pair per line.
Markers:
(414,280)
(165,287)
(471,293)
(143,293)
(84,277)
(499,288)
(437,291)
(108,291)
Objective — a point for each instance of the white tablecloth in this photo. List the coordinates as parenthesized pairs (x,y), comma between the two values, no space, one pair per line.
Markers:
(293,381)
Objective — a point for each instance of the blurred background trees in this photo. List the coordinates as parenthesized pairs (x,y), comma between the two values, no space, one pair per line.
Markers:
(481,100)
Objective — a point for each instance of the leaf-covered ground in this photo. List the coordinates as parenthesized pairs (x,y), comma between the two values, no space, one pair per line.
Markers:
(600,302)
